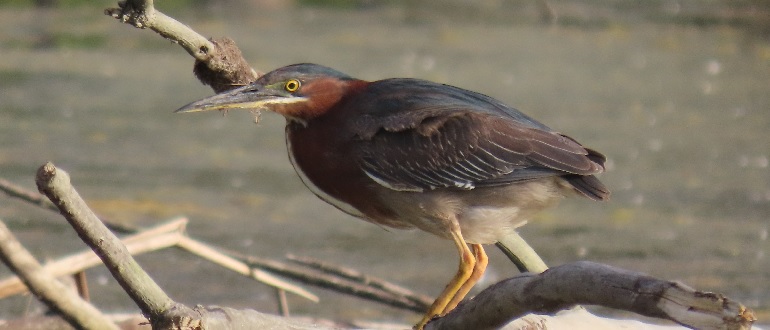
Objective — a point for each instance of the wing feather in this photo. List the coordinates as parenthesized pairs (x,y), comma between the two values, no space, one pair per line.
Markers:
(453,138)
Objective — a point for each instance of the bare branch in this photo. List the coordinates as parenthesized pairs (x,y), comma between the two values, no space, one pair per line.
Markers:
(283,303)
(159,237)
(150,298)
(142,14)
(211,254)
(81,282)
(218,62)
(53,293)
(334,282)
(35,198)
(356,276)
(14,190)
(588,283)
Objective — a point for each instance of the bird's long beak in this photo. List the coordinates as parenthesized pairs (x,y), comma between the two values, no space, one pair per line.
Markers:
(254,96)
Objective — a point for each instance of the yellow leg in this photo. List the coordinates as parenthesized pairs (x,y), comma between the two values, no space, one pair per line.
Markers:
(464,273)
(478,271)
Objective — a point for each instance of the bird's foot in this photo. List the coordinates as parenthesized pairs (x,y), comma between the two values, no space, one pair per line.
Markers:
(425,319)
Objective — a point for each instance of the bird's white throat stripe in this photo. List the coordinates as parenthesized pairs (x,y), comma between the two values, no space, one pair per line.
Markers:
(344,207)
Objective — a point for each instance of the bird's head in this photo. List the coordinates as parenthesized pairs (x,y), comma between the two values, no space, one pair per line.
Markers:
(299,92)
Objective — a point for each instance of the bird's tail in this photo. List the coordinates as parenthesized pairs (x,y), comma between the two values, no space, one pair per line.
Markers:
(589,186)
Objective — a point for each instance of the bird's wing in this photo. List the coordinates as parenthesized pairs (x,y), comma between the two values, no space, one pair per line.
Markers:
(418,135)
(465,149)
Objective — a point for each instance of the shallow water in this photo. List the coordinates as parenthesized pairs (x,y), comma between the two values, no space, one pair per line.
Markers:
(680,111)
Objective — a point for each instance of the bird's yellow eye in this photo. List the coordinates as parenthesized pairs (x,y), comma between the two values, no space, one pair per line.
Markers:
(292,85)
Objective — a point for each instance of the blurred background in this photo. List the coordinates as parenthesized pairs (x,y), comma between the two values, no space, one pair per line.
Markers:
(675,93)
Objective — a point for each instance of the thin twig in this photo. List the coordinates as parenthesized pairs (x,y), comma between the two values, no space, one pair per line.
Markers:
(13,190)
(211,254)
(79,313)
(333,282)
(81,282)
(283,303)
(35,198)
(359,277)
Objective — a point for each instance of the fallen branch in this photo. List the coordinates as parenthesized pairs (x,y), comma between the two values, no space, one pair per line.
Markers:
(588,283)
(329,281)
(162,311)
(152,301)
(163,236)
(156,238)
(57,296)
(421,302)
(352,282)
(242,268)
(16,191)
(152,239)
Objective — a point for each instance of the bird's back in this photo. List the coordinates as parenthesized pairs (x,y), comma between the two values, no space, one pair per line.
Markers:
(419,135)
(398,101)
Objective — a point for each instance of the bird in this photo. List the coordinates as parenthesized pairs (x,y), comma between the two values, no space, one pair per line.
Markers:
(410,153)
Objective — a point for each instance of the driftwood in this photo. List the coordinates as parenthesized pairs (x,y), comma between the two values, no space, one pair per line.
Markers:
(588,283)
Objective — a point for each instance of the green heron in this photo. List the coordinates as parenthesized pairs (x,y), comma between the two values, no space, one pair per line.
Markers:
(412,153)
